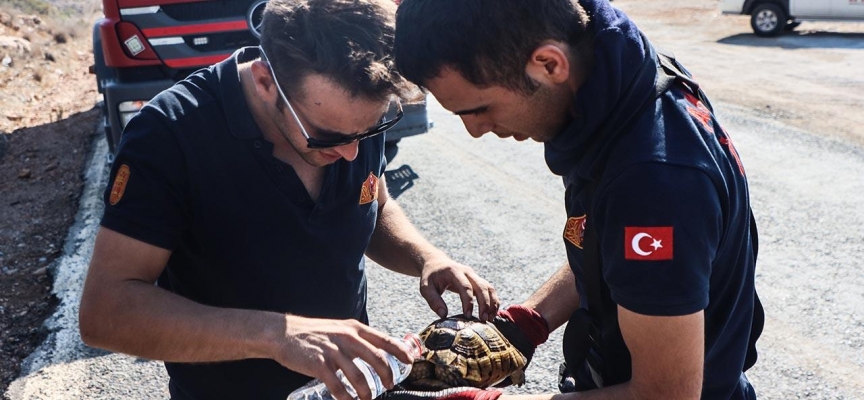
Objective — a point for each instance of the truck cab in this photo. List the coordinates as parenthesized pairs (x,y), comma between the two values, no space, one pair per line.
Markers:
(142,47)
(772,17)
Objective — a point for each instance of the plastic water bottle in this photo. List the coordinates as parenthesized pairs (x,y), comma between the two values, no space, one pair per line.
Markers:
(317,390)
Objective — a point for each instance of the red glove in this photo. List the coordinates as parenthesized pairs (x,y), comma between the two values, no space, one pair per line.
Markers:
(523,327)
(457,393)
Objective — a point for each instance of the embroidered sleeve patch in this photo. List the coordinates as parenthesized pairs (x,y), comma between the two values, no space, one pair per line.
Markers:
(648,243)
(574,231)
(119,187)
(369,190)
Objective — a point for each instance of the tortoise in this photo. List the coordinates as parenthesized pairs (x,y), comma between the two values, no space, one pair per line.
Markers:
(464,351)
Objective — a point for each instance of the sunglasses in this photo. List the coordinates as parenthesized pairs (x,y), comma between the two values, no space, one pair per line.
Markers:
(324,140)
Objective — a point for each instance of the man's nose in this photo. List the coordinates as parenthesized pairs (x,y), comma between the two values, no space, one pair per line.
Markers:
(476,126)
(348,151)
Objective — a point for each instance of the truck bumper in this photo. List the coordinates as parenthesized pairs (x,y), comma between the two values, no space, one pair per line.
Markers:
(414,122)
(119,92)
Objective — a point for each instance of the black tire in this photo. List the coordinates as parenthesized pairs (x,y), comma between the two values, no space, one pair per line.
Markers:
(103,73)
(791,25)
(768,19)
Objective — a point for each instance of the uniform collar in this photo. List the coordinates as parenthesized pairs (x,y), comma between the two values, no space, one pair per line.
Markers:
(241,123)
(620,80)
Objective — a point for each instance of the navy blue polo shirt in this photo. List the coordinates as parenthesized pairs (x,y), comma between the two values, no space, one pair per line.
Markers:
(197,177)
(671,209)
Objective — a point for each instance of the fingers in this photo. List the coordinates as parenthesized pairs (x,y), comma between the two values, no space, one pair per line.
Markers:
(466,283)
(487,298)
(389,344)
(455,282)
(466,293)
(433,297)
(321,347)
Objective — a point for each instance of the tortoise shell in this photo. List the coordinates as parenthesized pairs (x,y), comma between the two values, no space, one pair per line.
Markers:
(461,351)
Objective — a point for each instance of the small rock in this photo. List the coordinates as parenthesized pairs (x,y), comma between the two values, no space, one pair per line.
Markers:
(14,117)
(9,271)
(14,45)
(50,167)
(40,271)
(7,61)
(24,174)
(49,57)
(42,259)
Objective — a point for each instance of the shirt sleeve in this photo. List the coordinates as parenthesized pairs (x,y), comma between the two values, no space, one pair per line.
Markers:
(660,227)
(147,194)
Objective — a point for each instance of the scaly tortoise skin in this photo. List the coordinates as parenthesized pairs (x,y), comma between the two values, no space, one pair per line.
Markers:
(460,351)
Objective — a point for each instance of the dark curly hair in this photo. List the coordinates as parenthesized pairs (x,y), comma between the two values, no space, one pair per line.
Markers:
(347,41)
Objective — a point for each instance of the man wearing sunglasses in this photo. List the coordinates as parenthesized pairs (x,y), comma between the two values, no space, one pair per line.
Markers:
(249,194)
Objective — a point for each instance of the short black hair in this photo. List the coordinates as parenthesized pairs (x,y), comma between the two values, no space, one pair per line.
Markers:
(488,42)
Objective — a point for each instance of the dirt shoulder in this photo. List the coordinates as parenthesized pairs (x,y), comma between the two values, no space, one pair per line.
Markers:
(811,78)
(47,121)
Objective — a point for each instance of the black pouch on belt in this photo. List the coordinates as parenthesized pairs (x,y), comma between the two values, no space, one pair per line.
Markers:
(577,343)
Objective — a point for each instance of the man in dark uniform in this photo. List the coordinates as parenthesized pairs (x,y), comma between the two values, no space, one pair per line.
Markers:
(250,201)
(661,246)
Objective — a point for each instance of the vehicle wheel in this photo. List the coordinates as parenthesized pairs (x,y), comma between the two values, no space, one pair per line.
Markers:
(792,25)
(767,19)
(103,74)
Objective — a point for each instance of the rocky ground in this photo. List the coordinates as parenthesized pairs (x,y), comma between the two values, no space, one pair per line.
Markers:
(47,120)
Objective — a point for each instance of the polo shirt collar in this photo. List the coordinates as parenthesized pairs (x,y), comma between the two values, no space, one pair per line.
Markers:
(239,116)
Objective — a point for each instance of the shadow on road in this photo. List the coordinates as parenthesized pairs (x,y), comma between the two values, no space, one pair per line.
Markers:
(399,180)
(800,40)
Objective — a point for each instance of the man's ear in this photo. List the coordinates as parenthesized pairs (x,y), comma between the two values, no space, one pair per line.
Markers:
(549,63)
(265,87)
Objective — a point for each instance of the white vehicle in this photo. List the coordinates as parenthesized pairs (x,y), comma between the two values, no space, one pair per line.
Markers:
(771,17)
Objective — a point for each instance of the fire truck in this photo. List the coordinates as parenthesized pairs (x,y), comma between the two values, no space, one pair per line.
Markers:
(142,47)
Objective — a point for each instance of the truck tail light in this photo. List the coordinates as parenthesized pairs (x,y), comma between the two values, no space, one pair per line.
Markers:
(128,109)
(134,42)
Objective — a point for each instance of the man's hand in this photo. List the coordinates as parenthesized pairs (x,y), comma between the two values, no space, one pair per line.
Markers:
(443,274)
(320,347)
(457,393)
(524,328)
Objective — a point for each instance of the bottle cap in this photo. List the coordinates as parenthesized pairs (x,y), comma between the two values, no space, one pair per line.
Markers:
(415,345)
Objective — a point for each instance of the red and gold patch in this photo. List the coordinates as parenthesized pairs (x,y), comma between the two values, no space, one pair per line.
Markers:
(119,187)
(574,231)
(369,190)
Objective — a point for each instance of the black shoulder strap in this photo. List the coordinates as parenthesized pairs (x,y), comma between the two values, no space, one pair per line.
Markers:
(602,309)
(667,75)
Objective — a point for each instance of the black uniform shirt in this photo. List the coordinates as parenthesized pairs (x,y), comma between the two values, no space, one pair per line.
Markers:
(194,175)
(671,210)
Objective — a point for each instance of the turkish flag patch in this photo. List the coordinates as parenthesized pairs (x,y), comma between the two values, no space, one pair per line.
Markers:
(648,243)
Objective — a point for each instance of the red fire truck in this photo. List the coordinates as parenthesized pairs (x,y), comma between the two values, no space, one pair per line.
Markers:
(142,47)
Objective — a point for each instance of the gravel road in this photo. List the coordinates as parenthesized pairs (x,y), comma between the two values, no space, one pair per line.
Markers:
(493,204)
